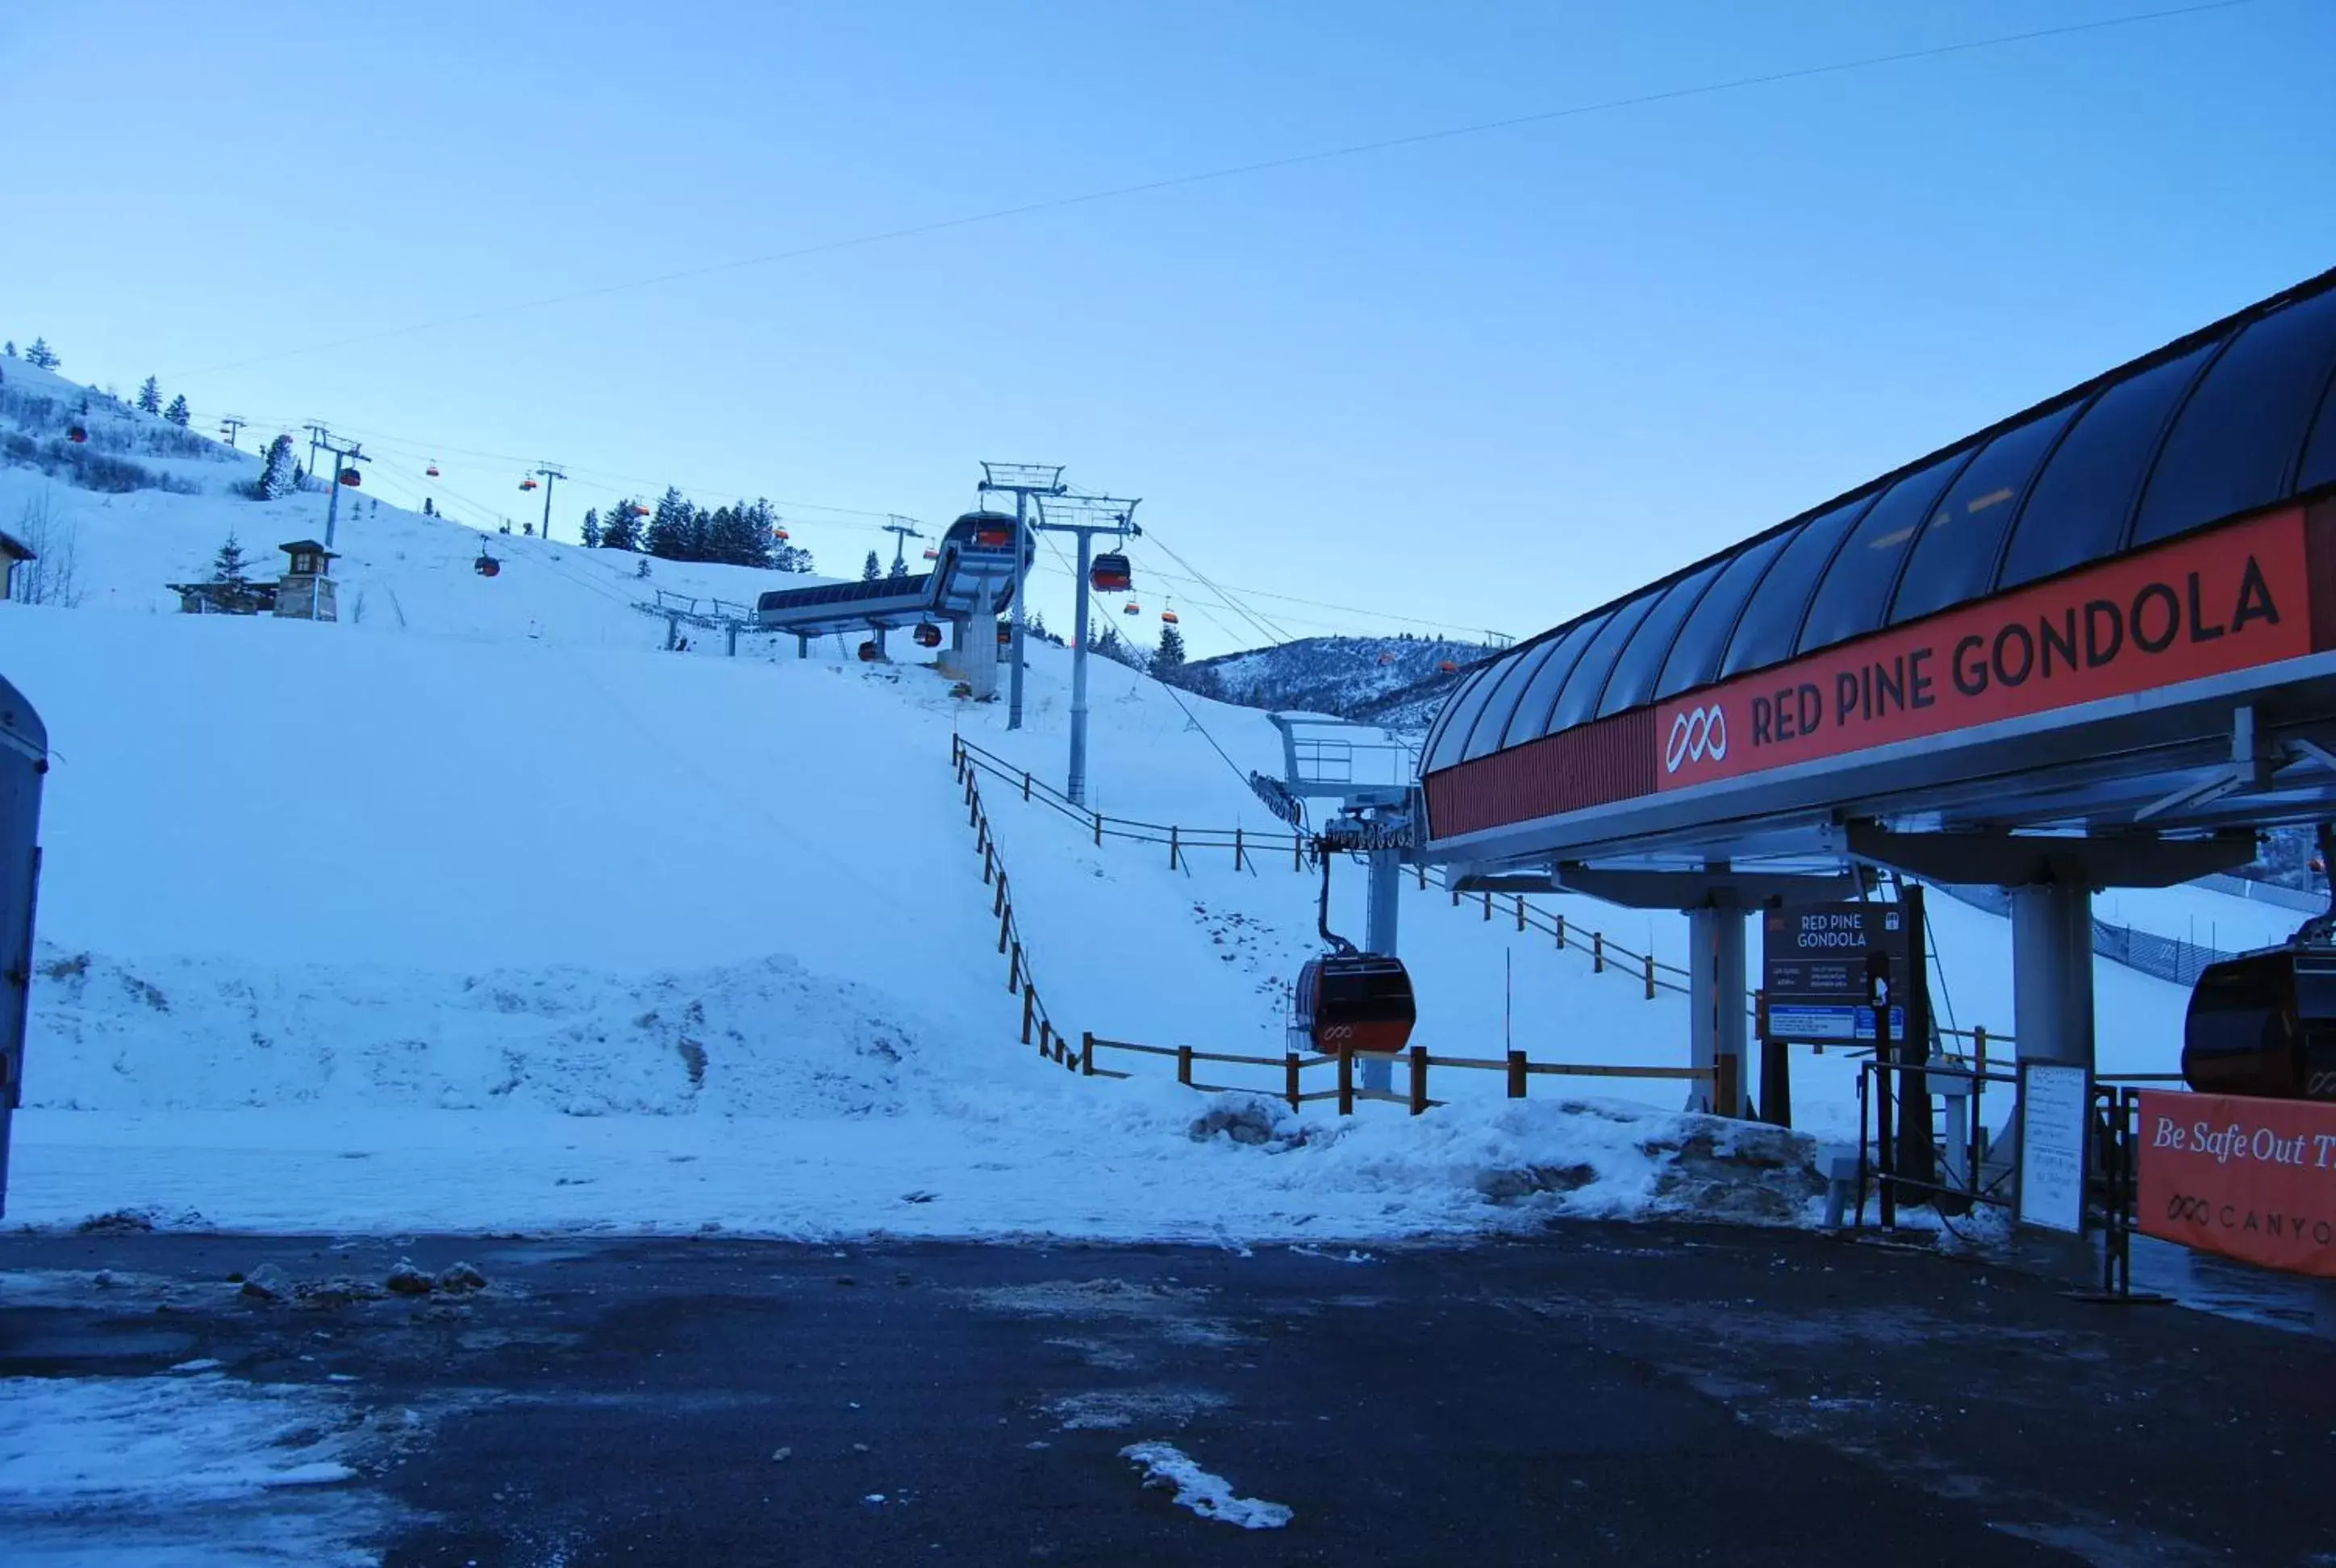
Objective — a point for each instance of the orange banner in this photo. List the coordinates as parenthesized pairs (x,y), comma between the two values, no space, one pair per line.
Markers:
(2229,599)
(2251,1179)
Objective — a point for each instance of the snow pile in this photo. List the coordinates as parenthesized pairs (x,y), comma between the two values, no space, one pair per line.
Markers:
(192,1468)
(761,1037)
(1210,1495)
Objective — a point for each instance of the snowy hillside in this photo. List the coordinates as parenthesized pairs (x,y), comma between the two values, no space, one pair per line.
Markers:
(484,887)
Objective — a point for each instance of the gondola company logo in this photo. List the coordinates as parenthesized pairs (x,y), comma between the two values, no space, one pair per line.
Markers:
(1695,732)
(2225,599)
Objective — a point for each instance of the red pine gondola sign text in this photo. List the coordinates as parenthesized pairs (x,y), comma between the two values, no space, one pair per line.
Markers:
(2249,1178)
(2227,600)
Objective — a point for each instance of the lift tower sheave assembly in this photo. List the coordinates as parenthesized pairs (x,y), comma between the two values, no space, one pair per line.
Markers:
(1084,517)
(1022,481)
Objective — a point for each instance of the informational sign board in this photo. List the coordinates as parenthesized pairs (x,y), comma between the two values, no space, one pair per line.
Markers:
(1812,969)
(2247,1178)
(2055,1107)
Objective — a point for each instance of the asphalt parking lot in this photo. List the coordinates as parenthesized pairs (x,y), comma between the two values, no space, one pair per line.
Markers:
(1600,1394)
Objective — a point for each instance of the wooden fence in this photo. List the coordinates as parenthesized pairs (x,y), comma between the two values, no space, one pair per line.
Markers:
(1038,1027)
(1251,849)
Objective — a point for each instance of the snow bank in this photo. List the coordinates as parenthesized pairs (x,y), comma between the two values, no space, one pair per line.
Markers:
(1210,1495)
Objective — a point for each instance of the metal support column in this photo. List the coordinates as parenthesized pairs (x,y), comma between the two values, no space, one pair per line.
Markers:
(1021,592)
(1077,789)
(1716,1020)
(1379,937)
(2052,973)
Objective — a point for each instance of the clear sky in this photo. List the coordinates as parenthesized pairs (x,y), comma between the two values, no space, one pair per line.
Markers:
(1486,380)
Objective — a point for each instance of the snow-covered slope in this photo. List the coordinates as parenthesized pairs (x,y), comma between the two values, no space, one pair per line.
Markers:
(1396,681)
(575,930)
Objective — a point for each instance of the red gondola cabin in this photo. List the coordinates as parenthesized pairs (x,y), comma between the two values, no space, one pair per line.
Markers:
(1111,574)
(1355,1002)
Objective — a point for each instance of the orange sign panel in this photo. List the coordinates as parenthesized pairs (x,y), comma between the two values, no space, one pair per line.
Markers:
(2248,1178)
(2227,600)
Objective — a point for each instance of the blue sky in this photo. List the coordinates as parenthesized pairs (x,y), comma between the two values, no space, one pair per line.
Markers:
(1486,380)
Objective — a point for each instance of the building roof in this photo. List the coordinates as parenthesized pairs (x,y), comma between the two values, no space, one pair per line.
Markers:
(314,547)
(2229,419)
(14,549)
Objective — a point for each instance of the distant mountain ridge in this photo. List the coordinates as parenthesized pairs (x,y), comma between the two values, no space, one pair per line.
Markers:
(1399,682)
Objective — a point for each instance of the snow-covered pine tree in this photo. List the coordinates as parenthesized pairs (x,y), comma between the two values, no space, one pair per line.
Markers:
(281,476)
(150,397)
(871,569)
(591,530)
(176,412)
(9,349)
(41,356)
(1170,656)
(228,571)
(429,507)
(670,526)
(622,530)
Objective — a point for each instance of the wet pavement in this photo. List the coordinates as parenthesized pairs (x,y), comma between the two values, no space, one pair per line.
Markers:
(1600,1394)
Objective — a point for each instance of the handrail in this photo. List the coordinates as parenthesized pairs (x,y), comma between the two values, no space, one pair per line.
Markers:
(1654,973)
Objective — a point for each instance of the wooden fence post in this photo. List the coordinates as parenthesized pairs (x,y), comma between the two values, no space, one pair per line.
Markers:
(1184,1066)
(1422,876)
(1561,930)
(1516,1074)
(1724,1100)
(1029,1006)
(1046,1038)
(1455,894)
(1651,977)
(1026,783)
(1979,1049)
(1597,952)
(1172,847)
(997,905)
(1086,1054)
(1237,849)
(1005,930)
(1345,1080)
(1297,852)
(1521,911)
(988,863)
(1419,1080)
(1289,1079)
(1488,904)
(1098,827)
(1014,975)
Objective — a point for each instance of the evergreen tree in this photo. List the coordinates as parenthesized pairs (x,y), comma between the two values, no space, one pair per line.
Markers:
(429,507)
(176,412)
(281,477)
(592,532)
(871,569)
(150,397)
(899,569)
(623,529)
(41,356)
(755,545)
(228,571)
(9,347)
(1170,657)
(673,527)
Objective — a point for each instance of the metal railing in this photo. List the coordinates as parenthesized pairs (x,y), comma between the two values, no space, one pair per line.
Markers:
(1250,849)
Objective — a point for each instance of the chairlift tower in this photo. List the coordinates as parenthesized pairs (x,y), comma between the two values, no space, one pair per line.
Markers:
(1023,481)
(353,452)
(902,530)
(1085,516)
(550,473)
(1370,772)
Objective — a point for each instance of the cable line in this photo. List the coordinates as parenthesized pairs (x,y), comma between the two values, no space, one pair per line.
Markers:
(1238,170)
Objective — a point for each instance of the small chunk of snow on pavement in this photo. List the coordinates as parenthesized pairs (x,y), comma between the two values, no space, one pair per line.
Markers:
(1210,1495)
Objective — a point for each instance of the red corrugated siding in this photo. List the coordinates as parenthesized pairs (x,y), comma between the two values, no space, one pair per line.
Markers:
(1609,760)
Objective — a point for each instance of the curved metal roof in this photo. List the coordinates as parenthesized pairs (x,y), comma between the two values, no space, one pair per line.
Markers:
(2237,417)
